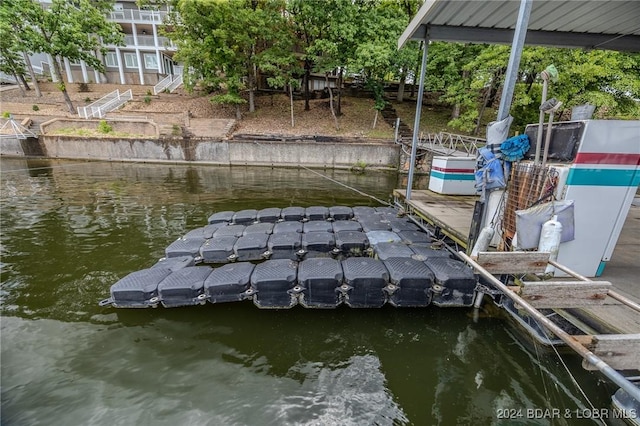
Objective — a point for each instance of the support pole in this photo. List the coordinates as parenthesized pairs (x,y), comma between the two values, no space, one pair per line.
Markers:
(545,85)
(416,121)
(120,67)
(514,58)
(587,355)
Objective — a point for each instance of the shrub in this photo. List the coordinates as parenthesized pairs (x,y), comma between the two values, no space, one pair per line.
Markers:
(176,130)
(147,100)
(87,99)
(35,108)
(6,114)
(83,87)
(104,127)
(149,93)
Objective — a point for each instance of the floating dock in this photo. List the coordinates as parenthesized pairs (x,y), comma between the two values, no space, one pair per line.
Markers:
(316,257)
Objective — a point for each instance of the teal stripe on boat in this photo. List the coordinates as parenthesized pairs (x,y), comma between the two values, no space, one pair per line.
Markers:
(452,176)
(604,177)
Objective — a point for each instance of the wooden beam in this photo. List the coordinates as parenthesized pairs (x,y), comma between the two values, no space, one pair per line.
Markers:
(513,262)
(620,351)
(585,340)
(565,294)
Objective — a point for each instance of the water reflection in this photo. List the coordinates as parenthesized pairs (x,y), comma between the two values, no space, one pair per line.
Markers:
(71,230)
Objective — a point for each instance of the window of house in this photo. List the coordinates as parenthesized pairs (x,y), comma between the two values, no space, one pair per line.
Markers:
(110,59)
(150,61)
(130,60)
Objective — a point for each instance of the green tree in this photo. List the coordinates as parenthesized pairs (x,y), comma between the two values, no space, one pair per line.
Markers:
(12,47)
(11,61)
(604,78)
(280,63)
(407,58)
(221,42)
(381,25)
(64,29)
(309,21)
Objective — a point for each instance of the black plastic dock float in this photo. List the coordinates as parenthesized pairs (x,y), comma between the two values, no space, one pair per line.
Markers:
(318,257)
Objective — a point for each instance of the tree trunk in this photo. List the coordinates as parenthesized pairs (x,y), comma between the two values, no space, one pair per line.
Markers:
(375,120)
(339,112)
(22,80)
(456,108)
(482,108)
(103,74)
(32,74)
(252,102)
(291,103)
(15,75)
(400,95)
(307,74)
(252,83)
(455,112)
(333,113)
(238,113)
(62,86)
(495,85)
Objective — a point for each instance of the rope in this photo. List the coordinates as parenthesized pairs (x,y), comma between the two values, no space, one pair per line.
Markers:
(542,375)
(348,187)
(575,382)
(386,203)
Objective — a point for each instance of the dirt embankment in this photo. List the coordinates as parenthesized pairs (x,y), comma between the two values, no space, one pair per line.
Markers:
(272,115)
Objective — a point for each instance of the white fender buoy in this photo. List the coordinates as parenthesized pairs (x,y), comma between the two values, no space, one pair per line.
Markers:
(550,240)
(483,241)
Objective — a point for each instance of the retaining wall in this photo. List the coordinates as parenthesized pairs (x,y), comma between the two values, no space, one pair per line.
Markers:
(220,152)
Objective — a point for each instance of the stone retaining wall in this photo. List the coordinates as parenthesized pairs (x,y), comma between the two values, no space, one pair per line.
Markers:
(219,152)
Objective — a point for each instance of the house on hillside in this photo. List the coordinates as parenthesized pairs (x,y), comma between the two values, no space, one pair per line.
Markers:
(146,57)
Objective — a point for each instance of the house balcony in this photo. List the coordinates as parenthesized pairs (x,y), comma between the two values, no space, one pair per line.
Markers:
(137,16)
(148,41)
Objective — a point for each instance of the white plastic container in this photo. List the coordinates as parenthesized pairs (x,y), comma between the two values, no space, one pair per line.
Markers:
(550,240)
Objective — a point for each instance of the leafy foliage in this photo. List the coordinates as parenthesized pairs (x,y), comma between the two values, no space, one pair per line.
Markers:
(73,30)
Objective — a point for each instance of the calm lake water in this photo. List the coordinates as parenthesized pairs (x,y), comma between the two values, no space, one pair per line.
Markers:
(70,230)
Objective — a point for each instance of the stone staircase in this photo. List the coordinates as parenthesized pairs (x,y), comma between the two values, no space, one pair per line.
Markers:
(405,133)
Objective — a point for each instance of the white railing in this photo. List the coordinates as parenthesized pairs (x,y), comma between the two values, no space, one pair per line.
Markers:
(451,144)
(87,111)
(162,84)
(107,103)
(114,103)
(133,15)
(148,41)
(177,82)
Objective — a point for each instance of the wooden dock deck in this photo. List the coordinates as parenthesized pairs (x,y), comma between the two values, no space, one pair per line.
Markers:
(452,216)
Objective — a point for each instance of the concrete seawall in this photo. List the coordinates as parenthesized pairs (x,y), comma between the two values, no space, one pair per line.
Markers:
(220,152)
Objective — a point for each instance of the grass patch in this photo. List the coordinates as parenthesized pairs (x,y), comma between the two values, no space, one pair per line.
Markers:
(435,119)
(79,131)
(379,134)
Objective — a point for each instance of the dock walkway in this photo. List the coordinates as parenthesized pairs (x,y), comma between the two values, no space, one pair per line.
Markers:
(452,215)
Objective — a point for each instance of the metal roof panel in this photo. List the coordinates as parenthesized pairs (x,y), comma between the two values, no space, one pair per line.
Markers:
(586,23)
